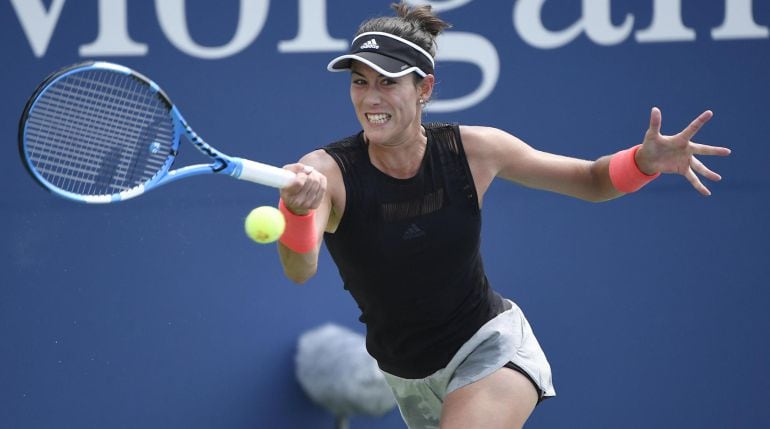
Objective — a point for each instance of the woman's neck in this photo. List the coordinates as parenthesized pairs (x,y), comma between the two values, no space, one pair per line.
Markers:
(401,159)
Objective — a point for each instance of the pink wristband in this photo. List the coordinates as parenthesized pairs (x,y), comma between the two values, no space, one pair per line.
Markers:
(300,232)
(625,173)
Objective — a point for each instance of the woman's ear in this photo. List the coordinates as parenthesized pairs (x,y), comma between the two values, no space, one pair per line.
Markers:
(426,88)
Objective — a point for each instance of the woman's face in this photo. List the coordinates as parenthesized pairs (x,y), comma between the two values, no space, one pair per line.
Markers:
(387,108)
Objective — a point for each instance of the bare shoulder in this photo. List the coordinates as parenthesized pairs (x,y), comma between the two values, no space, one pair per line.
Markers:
(321,161)
(326,165)
(482,150)
(491,146)
(335,187)
(488,141)
(474,134)
(479,131)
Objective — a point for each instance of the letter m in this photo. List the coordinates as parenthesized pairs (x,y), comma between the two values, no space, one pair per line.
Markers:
(38,24)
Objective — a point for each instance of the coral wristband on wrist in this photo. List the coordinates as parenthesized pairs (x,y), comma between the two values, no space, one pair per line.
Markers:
(300,234)
(625,173)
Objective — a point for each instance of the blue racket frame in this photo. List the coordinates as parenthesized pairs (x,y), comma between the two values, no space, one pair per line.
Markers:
(222,164)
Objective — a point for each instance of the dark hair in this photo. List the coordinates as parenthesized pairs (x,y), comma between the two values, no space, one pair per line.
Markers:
(416,24)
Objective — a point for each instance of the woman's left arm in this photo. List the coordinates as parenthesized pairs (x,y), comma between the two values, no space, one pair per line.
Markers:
(495,153)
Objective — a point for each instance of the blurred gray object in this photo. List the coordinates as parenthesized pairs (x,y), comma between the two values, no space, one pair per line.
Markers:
(336,372)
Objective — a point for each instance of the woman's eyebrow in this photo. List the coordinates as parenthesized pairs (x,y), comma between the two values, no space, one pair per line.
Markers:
(362,75)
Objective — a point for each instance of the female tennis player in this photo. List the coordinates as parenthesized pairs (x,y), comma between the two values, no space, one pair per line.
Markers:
(398,205)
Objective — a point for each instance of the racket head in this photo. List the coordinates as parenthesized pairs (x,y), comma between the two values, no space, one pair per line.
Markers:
(98,132)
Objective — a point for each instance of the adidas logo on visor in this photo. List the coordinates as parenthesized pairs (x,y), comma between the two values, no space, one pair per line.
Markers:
(371,44)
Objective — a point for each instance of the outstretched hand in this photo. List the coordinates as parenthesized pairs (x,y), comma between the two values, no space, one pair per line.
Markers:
(676,153)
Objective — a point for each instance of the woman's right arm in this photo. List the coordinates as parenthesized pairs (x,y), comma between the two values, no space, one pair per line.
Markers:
(319,191)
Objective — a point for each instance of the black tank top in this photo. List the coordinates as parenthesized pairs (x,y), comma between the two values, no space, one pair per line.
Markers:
(408,252)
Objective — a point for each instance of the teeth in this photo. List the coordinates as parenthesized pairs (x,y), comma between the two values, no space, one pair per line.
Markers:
(377,118)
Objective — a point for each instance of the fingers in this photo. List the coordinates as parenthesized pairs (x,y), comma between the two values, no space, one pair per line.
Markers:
(307,190)
(655,120)
(696,183)
(676,149)
(704,171)
(298,168)
(701,149)
(696,124)
(697,166)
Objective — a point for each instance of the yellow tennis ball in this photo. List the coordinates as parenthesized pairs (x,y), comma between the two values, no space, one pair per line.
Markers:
(264,224)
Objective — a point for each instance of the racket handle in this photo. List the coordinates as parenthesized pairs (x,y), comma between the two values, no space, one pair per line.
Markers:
(263,174)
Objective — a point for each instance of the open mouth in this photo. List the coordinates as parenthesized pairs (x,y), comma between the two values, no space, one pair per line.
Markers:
(378,118)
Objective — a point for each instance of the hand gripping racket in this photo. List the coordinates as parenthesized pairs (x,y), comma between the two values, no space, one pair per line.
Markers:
(99,132)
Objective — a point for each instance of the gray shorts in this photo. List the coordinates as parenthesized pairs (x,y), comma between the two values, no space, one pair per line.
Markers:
(506,338)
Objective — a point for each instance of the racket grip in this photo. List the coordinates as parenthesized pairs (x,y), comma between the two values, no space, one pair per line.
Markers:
(263,174)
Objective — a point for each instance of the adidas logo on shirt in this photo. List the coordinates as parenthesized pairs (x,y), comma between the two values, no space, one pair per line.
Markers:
(412,232)
(371,44)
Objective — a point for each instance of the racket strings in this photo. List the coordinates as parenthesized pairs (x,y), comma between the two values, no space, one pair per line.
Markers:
(120,99)
(98,133)
(62,121)
(63,100)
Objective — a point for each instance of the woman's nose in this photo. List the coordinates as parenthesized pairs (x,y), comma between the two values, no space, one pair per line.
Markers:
(372,96)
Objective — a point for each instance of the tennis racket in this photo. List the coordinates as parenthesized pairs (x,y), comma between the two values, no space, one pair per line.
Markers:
(100,132)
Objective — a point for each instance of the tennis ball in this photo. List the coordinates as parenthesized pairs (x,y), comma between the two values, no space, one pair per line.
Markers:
(264,224)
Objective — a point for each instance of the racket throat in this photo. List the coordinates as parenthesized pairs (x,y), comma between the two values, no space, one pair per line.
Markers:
(220,163)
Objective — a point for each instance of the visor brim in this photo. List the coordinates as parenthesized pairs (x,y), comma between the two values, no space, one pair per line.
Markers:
(383,64)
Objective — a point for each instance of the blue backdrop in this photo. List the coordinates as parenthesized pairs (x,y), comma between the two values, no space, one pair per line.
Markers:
(160,313)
